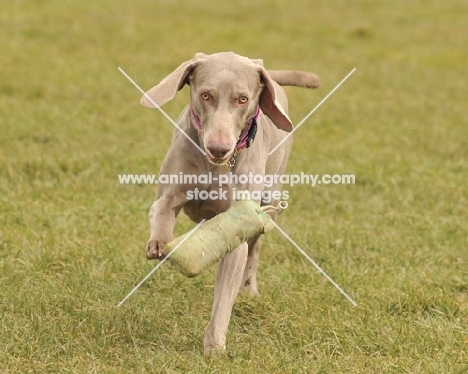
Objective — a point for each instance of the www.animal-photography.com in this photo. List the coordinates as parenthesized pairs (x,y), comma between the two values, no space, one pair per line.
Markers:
(249,187)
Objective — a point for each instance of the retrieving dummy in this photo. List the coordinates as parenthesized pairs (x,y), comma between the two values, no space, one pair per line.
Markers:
(220,235)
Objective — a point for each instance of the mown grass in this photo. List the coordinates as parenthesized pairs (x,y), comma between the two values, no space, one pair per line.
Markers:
(72,238)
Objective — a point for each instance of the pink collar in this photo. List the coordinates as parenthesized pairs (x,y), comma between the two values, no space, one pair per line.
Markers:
(247,136)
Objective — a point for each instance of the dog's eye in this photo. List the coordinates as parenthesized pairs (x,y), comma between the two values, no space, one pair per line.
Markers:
(205,96)
(243,99)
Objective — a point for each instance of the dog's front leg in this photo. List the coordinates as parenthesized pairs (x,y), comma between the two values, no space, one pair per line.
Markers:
(228,281)
(162,218)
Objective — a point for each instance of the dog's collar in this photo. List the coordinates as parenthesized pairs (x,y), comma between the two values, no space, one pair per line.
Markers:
(196,121)
(247,136)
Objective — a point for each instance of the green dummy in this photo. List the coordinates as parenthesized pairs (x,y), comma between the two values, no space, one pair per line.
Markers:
(220,235)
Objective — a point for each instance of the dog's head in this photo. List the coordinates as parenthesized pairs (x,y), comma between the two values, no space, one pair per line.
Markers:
(225,91)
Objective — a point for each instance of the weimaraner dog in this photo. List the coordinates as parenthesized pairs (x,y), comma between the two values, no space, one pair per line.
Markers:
(228,95)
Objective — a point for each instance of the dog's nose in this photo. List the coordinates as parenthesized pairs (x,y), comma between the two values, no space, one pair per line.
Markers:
(218,150)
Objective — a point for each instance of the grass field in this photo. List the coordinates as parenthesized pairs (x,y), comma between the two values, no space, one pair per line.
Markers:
(72,238)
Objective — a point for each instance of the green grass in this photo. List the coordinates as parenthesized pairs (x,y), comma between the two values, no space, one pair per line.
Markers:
(72,238)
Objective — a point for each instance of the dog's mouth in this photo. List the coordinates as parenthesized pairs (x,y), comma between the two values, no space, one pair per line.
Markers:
(218,161)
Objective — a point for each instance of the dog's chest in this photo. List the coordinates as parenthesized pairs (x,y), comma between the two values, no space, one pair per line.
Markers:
(207,201)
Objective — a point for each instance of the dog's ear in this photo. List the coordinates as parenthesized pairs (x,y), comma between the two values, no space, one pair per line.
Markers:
(167,89)
(270,105)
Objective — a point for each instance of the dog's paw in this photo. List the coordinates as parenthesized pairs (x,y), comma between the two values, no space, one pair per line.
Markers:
(214,351)
(155,249)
